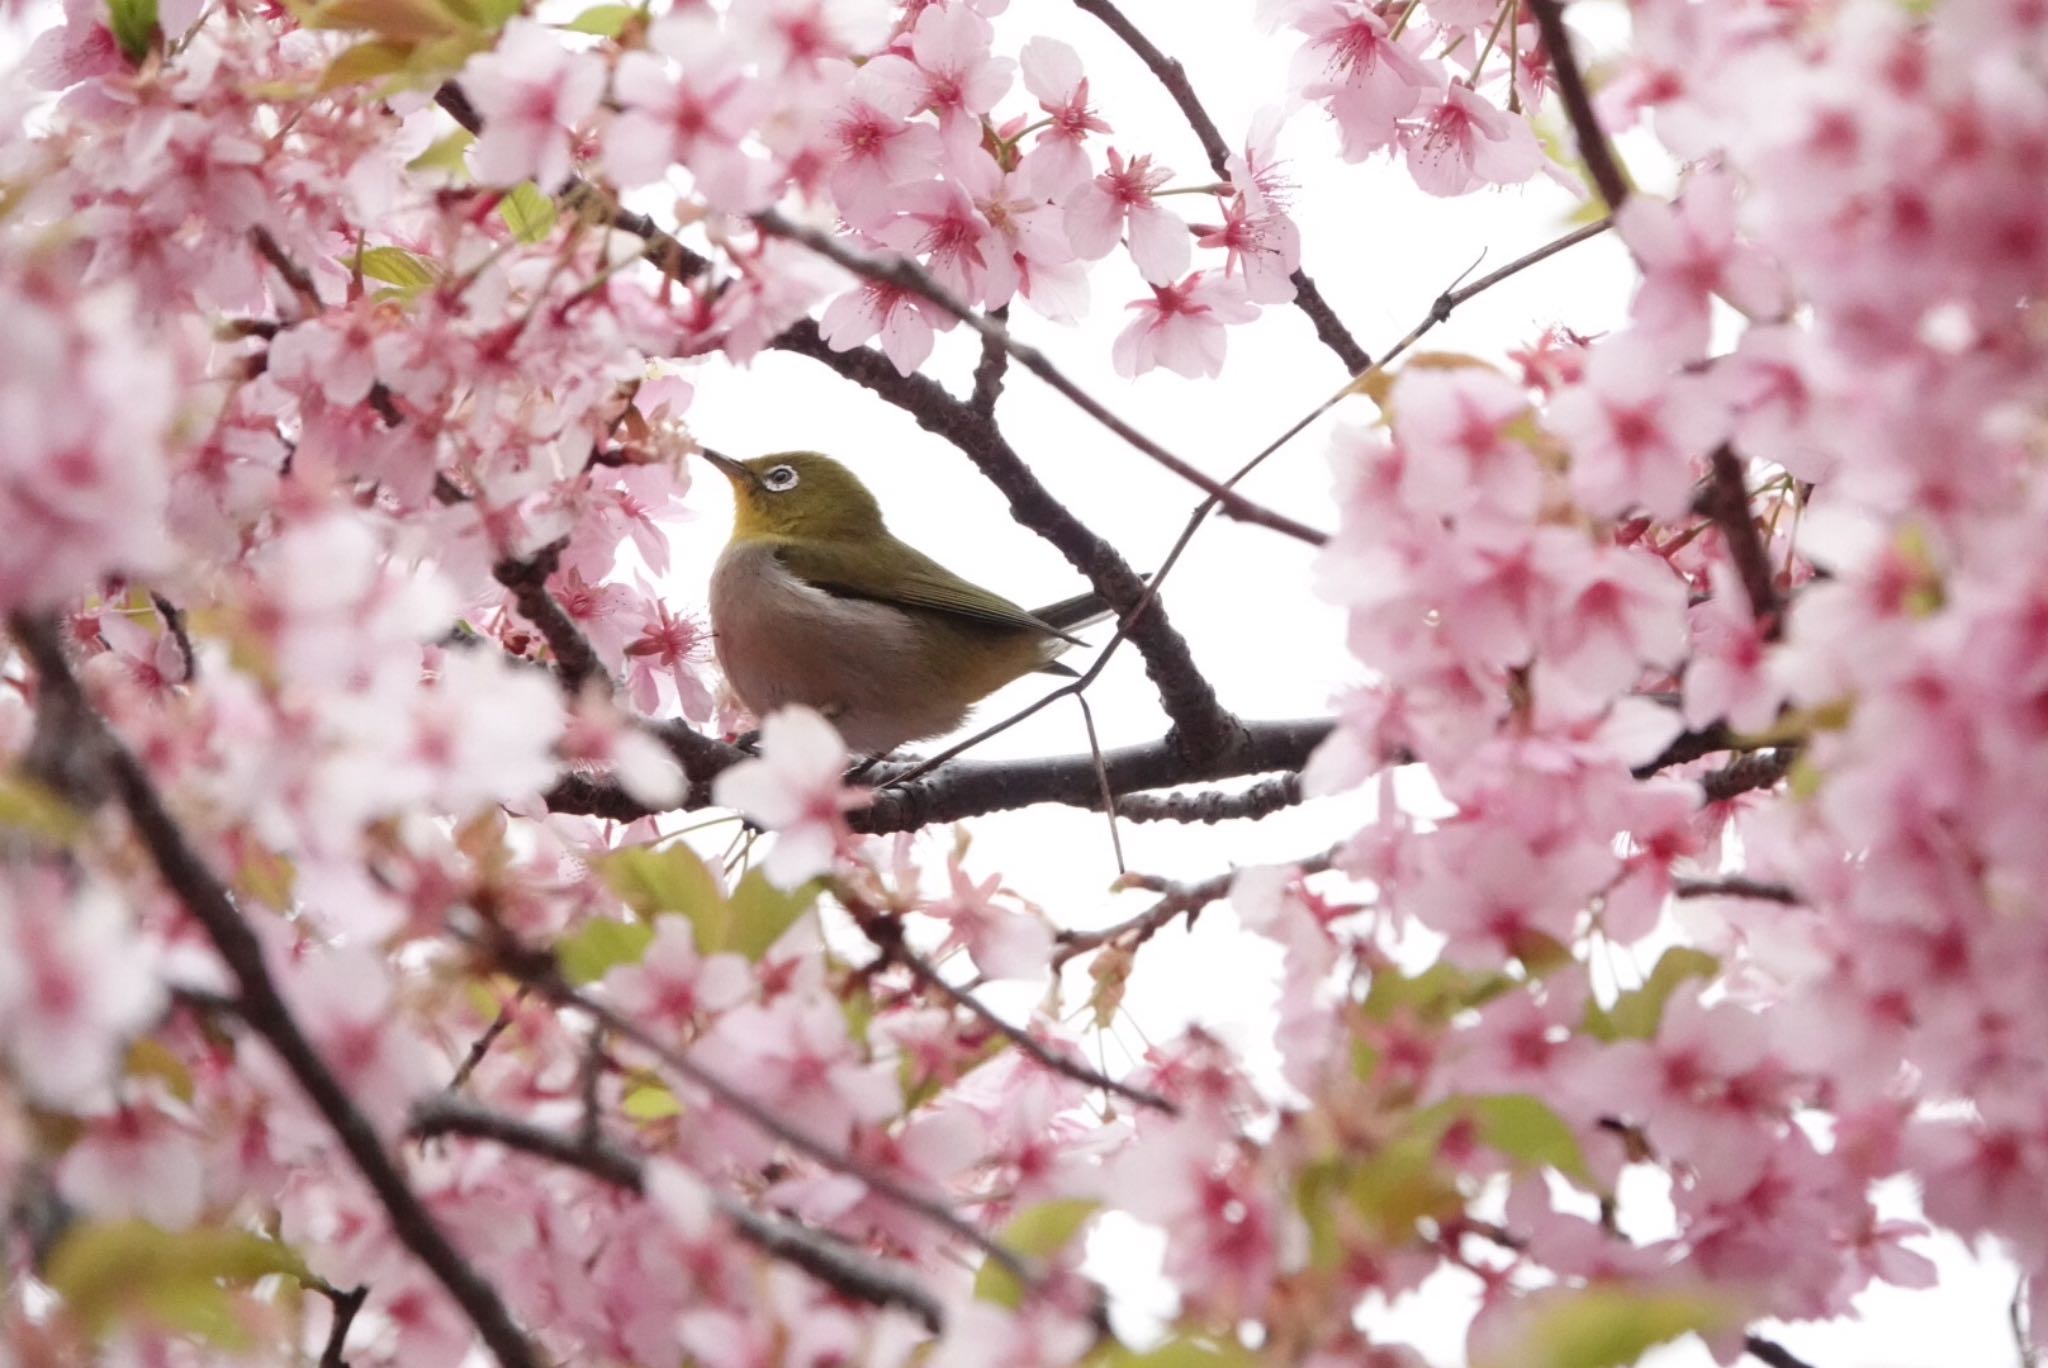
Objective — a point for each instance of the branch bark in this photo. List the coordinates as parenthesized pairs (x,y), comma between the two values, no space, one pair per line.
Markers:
(830,1260)
(1726,500)
(1330,330)
(1601,163)
(576,662)
(263,1008)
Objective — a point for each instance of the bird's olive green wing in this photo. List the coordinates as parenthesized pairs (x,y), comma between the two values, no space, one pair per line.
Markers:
(890,572)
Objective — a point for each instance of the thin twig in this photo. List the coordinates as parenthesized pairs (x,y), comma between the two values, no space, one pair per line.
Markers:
(1606,170)
(345,1304)
(295,275)
(886,932)
(988,372)
(540,971)
(174,623)
(1756,1346)
(1758,770)
(1172,75)
(481,1046)
(263,1008)
(1176,900)
(906,274)
(1109,810)
(825,1257)
(1735,887)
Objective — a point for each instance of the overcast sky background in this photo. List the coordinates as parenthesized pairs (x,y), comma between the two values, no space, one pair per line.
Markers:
(1381,251)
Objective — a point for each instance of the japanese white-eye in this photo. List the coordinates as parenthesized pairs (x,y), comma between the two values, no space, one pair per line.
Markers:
(814,602)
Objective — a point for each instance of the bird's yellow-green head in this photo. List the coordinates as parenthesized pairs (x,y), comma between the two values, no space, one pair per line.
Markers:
(800,495)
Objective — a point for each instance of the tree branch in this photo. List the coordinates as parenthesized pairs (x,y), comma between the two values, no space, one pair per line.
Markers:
(1209,806)
(576,661)
(830,1260)
(262,1007)
(1329,329)
(1735,887)
(1771,1352)
(905,274)
(988,372)
(1177,900)
(1758,770)
(1726,500)
(540,970)
(886,933)
(1606,171)
(346,1304)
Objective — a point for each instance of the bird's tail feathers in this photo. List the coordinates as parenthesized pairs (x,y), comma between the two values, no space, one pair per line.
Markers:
(1072,614)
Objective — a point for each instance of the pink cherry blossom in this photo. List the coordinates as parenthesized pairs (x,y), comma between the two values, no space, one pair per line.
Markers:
(532,92)
(1366,78)
(697,117)
(1118,204)
(1636,431)
(664,656)
(949,70)
(672,987)
(1689,253)
(905,322)
(797,790)
(1181,326)
(1058,159)
(1462,142)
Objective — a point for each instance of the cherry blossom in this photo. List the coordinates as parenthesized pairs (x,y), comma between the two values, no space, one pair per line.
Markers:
(1058,159)
(1121,203)
(532,92)
(797,790)
(1181,326)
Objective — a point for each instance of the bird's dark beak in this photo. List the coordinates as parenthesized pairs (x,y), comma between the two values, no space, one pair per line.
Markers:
(731,469)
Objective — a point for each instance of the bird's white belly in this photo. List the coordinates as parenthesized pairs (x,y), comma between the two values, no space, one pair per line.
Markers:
(780,641)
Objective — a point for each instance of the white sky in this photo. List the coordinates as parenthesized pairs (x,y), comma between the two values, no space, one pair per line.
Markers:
(1381,251)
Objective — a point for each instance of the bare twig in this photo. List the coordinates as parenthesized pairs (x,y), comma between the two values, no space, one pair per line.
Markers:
(540,971)
(1214,805)
(1606,171)
(1176,900)
(175,624)
(830,1260)
(346,1304)
(886,932)
(481,1046)
(262,1007)
(1736,887)
(1109,810)
(1725,499)
(906,274)
(1771,1352)
(1174,77)
(294,274)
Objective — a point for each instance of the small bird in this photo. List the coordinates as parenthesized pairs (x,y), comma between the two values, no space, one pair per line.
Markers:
(814,602)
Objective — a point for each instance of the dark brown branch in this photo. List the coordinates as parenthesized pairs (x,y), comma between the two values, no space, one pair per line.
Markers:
(886,933)
(1203,730)
(481,1046)
(1214,805)
(1606,171)
(346,1304)
(1329,329)
(294,274)
(1736,887)
(540,970)
(1758,770)
(1771,1352)
(1687,747)
(576,662)
(262,1007)
(905,274)
(1726,500)
(828,1259)
(175,624)
(988,372)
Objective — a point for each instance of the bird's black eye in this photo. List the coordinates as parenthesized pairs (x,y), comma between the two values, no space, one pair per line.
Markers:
(780,479)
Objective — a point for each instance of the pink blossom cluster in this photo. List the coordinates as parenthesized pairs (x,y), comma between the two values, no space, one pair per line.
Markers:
(345,391)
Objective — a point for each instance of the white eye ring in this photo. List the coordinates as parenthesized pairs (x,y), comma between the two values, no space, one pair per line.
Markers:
(780,479)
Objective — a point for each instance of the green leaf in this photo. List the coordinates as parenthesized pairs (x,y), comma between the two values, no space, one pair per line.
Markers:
(1638,1013)
(600,946)
(368,61)
(527,212)
(445,154)
(649,1101)
(178,1278)
(606,21)
(1185,1351)
(133,23)
(1037,1232)
(407,271)
(1603,1327)
(1519,1126)
(404,22)
(1402,1184)
(672,879)
(761,912)
(29,809)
